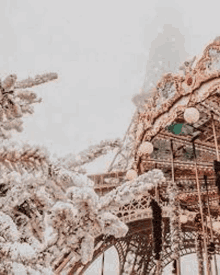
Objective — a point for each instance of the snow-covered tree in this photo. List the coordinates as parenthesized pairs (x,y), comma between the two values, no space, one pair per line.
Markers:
(47,208)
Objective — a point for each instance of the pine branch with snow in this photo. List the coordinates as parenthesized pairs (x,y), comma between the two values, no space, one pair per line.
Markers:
(47,209)
(129,190)
(23,157)
(37,80)
(73,163)
(42,224)
(14,104)
(44,219)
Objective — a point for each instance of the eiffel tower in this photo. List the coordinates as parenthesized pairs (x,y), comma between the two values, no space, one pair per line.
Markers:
(186,158)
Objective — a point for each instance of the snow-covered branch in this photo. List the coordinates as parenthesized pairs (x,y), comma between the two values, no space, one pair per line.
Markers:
(72,162)
(16,157)
(132,189)
(39,79)
(14,104)
(46,221)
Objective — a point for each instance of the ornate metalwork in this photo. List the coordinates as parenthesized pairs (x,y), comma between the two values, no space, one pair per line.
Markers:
(124,158)
(139,242)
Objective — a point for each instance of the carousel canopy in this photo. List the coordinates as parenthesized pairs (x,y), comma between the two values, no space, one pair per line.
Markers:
(197,88)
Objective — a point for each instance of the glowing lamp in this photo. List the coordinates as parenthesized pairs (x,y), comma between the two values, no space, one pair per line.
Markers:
(146,148)
(183,218)
(191,115)
(131,174)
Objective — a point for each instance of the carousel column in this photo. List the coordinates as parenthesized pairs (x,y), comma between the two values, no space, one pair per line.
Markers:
(208,241)
(175,233)
(201,213)
(211,248)
(145,149)
(191,116)
(199,253)
(159,270)
(157,233)
(174,220)
(216,162)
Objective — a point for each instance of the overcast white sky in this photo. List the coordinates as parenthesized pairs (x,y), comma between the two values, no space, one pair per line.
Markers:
(102,51)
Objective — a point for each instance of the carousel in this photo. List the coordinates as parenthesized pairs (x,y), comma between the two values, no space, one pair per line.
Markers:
(175,132)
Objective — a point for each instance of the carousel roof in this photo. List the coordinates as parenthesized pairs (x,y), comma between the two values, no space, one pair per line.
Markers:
(198,87)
